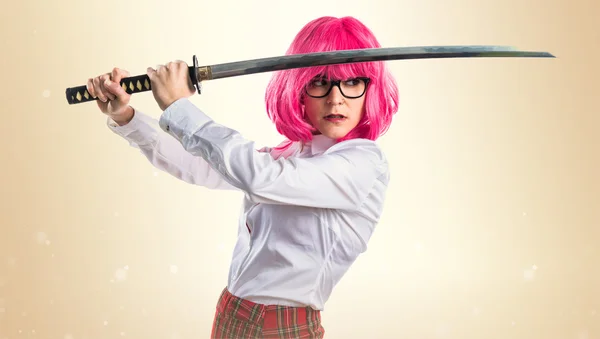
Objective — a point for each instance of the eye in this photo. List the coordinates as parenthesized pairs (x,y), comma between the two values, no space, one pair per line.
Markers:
(318,83)
(352,82)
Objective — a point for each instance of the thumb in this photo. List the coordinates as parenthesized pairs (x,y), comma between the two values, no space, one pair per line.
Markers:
(118,91)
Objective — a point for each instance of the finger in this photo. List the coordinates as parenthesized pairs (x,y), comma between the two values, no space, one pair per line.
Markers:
(161,69)
(109,95)
(98,89)
(116,91)
(151,72)
(90,87)
(103,79)
(172,65)
(181,63)
(118,74)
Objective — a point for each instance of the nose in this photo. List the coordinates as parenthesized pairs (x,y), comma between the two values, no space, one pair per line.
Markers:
(335,96)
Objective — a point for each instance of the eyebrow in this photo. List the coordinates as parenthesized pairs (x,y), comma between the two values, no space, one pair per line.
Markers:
(323,77)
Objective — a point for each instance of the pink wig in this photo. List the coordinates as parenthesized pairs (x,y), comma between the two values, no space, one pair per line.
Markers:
(284,92)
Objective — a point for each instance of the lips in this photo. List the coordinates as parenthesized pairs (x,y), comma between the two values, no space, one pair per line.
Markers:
(335,117)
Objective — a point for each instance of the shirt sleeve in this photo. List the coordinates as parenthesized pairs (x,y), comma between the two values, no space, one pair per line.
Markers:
(340,178)
(166,153)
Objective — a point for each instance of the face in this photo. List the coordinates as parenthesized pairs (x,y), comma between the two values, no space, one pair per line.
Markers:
(334,115)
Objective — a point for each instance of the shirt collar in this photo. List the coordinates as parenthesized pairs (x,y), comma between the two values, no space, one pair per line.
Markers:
(320,144)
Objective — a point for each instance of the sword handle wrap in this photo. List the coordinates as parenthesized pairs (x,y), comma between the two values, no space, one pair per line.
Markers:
(131,85)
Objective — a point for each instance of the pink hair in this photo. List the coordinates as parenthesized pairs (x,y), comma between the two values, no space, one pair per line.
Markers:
(284,92)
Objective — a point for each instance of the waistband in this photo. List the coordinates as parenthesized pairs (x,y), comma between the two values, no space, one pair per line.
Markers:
(268,315)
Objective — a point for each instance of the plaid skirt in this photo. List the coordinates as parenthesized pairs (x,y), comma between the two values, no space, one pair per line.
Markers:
(240,318)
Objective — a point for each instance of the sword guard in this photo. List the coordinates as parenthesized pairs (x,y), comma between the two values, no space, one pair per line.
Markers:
(194,75)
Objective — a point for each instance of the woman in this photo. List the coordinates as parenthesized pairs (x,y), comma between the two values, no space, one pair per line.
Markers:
(310,204)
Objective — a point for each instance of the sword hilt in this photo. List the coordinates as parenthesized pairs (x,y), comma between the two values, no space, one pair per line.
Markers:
(131,85)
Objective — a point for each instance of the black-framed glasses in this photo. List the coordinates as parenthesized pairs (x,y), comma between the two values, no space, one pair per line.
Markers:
(350,88)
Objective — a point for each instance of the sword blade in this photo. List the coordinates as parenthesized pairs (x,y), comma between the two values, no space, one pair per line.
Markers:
(141,83)
(271,64)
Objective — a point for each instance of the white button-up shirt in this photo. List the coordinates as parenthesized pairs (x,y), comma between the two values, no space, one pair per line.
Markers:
(307,213)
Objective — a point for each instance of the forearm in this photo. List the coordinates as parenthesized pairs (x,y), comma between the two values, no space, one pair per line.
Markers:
(164,152)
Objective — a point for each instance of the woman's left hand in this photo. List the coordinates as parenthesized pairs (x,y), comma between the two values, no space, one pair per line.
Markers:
(170,83)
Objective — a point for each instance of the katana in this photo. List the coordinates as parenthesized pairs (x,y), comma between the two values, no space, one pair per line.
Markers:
(141,83)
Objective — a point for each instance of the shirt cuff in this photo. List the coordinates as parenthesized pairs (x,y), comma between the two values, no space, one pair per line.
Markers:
(182,118)
(138,131)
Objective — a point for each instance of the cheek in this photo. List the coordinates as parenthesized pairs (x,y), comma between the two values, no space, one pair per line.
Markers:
(311,110)
(358,108)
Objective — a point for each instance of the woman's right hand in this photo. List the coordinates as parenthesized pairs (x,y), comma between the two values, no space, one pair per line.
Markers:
(112,98)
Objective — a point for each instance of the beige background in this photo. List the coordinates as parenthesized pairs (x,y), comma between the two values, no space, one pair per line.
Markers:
(493,214)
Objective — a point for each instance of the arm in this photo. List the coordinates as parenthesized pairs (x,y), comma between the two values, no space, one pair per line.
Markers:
(165,153)
(340,178)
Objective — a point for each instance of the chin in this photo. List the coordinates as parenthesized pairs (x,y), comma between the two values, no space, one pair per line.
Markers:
(335,134)
(335,131)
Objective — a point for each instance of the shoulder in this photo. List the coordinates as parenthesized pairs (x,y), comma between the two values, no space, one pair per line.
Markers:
(284,149)
(361,153)
(359,147)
